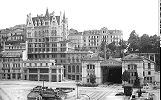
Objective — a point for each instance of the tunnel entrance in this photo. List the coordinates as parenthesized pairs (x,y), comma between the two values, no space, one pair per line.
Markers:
(111,74)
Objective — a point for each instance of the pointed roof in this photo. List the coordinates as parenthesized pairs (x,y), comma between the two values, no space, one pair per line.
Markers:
(47,13)
(63,17)
(132,57)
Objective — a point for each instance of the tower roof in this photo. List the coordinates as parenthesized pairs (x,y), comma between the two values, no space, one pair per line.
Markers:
(47,13)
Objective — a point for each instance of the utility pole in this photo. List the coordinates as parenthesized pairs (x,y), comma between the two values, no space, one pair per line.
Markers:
(77,91)
(77,88)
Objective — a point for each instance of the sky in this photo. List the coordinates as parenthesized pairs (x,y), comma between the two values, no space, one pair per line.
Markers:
(126,15)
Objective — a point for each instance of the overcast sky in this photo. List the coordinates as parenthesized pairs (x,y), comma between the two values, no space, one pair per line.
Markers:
(126,15)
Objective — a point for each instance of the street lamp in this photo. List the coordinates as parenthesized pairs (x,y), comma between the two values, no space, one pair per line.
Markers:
(77,88)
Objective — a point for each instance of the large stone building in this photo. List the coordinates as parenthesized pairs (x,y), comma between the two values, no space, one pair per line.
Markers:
(74,64)
(141,65)
(92,39)
(11,61)
(39,70)
(77,38)
(47,39)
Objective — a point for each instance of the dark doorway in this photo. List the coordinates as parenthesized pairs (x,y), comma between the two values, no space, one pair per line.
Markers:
(112,74)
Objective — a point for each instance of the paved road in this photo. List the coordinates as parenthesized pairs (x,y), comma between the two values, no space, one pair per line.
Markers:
(4,95)
(18,90)
(100,93)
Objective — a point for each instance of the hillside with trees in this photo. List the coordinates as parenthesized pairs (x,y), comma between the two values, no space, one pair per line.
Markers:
(135,44)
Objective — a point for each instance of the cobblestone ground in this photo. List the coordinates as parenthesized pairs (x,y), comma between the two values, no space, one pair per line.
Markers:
(18,90)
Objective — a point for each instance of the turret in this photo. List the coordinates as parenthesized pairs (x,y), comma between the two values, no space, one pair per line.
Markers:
(29,22)
(47,14)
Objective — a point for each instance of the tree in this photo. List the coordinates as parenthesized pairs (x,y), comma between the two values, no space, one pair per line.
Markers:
(102,51)
(137,81)
(145,43)
(112,46)
(73,31)
(126,76)
(155,42)
(134,42)
(137,84)
(92,78)
(122,46)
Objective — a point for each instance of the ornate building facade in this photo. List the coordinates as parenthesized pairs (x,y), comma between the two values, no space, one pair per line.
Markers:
(74,64)
(92,39)
(47,39)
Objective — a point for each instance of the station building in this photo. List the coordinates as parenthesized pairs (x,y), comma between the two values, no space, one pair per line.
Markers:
(111,70)
(105,71)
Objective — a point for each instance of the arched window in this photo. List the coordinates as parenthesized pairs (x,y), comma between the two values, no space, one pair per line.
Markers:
(69,69)
(73,69)
(77,68)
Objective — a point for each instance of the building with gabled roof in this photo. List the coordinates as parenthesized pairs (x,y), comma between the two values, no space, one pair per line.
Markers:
(139,64)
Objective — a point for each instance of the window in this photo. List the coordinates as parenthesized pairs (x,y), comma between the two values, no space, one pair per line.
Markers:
(46,23)
(149,66)
(53,70)
(143,73)
(128,66)
(62,55)
(149,73)
(147,78)
(135,66)
(77,77)
(69,69)
(91,66)
(77,69)
(87,66)
(73,69)
(73,77)
(143,65)
(69,76)
(88,80)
